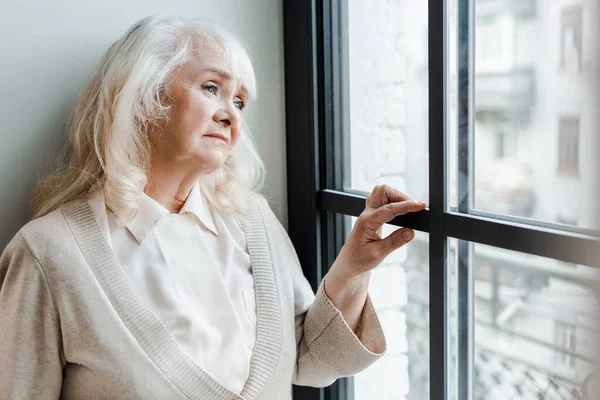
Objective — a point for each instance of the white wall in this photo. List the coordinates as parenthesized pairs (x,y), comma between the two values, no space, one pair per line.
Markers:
(50,48)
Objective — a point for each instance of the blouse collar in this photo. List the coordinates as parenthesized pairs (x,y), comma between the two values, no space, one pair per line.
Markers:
(151,212)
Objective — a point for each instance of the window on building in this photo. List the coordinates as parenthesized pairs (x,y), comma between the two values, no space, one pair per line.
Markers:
(568,147)
(565,340)
(571,37)
(505,145)
(382,93)
(495,43)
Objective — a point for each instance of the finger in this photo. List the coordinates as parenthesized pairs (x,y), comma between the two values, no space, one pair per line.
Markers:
(395,240)
(388,212)
(385,194)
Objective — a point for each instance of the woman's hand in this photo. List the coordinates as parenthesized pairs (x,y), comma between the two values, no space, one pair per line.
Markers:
(347,281)
(365,249)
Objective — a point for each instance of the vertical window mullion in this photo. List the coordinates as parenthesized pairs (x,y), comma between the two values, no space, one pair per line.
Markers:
(438,241)
(302,145)
(465,311)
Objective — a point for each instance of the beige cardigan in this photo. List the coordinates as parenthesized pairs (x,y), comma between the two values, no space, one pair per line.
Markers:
(72,326)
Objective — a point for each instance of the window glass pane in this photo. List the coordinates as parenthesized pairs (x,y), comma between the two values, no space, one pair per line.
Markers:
(536,146)
(399,290)
(536,324)
(387,80)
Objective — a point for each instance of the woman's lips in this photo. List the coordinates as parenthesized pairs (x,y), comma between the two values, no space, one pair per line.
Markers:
(217,136)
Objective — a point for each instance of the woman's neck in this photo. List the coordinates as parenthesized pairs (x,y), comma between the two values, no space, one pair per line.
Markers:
(170,188)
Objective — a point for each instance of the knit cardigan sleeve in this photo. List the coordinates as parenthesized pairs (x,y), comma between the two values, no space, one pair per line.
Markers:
(327,348)
(30,336)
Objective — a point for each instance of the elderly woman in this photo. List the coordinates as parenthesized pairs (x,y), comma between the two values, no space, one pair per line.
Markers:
(152,269)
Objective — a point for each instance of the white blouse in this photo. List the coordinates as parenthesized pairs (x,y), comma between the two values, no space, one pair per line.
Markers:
(193,270)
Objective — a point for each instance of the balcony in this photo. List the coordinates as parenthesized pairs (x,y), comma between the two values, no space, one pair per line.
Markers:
(509,95)
(520,8)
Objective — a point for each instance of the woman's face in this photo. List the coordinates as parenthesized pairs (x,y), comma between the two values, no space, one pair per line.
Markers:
(206,116)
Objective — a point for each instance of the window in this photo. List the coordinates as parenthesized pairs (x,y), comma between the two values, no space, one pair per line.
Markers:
(571,38)
(378,92)
(522,345)
(565,340)
(505,145)
(568,148)
(518,162)
(495,43)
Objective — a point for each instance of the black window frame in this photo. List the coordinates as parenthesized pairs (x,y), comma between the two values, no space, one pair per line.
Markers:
(317,202)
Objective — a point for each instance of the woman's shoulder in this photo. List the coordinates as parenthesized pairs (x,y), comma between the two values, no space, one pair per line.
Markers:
(261,202)
(43,235)
(260,209)
(45,227)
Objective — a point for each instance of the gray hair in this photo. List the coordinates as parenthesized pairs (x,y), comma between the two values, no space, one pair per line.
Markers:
(107,129)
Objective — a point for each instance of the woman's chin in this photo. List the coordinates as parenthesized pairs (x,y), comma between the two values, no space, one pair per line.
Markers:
(213,162)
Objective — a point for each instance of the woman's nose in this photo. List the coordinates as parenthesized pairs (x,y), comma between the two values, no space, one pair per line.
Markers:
(227,115)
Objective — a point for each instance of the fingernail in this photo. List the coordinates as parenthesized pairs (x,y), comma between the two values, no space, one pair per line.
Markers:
(408,235)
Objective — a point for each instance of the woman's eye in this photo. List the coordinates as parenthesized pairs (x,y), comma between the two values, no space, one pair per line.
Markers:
(239,104)
(212,89)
